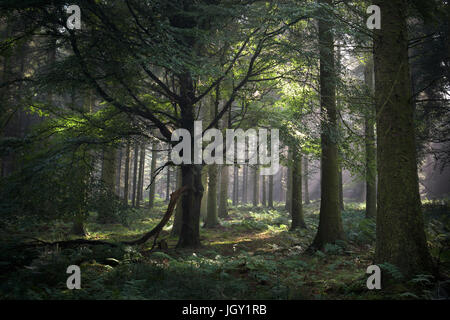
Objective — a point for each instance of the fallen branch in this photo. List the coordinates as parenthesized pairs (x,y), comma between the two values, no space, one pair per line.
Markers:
(154,232)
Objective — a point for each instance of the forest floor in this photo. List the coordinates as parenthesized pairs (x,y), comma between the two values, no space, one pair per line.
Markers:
(251,255)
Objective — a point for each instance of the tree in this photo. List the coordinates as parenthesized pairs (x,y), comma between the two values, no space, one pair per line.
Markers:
(305,179)
(141,176)
(134,199)
(297,207)
(370,148)
(151,193)
(126,191)
(330,224)
(401,237)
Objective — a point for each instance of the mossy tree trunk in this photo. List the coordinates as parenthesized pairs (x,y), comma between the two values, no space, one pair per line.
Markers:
(330,223)
(400,232)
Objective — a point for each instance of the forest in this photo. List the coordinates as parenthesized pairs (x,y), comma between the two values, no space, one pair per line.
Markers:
(224,150)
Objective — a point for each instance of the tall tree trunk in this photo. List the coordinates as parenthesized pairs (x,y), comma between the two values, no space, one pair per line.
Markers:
(270,198)
(297,207)
(401,238)
(255,186)
(126,190)
(204,203)
(177,220)
(330,223)
(288,205)
(235,185)
(109,168)
(135,173)
(305,180)
(369,137)
(341,189)
(151,193)
(212,219)
(223,199)
(264,192)
(141,176)
(244,183)
(168,184)
(119,170)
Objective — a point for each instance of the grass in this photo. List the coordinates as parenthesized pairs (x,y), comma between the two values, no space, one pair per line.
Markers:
(252,255)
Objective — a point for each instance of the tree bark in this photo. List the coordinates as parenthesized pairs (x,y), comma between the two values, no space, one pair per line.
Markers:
(288,205)
(270,198)
(401,238)
(255,186)
(369,137)
(151,193)
(223,199)
(135,173)
(305,180)
(297,207)
(141,176)
(330,223)
(126,190)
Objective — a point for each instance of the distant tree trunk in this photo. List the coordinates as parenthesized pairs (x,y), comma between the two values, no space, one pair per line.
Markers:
(177,220)
(297,207)
(341,189)
(264,192)
(135,173)
(223,199)
(204,203)
(255,186)
(244,183)
(270,198)
(141,176)
(212,219)
(168,184)
(305,179)
(288,204)
(126,191)
(369,135)
(109,168)
(401,238)
(330,224)
(119,170)
(151,193)
(235,185)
